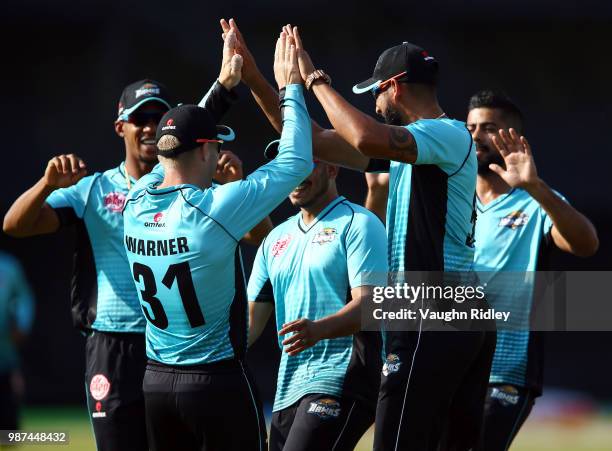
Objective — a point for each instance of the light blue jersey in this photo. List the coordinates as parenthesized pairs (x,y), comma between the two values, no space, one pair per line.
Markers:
(311,269)
(16,310)
(181,242)
(103,296)
(512,232)
(430,211)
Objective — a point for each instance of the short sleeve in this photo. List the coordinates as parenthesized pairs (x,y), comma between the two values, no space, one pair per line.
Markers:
(366,250)
(259,288)
(74,198)
(440,143)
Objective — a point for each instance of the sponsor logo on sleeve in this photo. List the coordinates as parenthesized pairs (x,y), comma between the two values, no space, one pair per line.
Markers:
(280,246)
(325,408)
(326,235)
(507,395)
(514,220)
(392,364)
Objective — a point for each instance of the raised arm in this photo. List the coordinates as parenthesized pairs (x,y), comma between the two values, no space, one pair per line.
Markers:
(378,194)
(327,144)
(571,231)
(30,214)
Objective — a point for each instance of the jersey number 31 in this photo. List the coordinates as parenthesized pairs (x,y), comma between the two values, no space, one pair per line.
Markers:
(182,274)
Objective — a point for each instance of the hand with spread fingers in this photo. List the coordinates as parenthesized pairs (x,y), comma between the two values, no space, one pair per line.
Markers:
(64,170)
(306,334)
(249,66)
(229,168)
(305,62)
(286,69)
(520,169)
(231,65)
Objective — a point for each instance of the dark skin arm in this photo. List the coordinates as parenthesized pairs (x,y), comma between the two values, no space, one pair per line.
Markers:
(328,145)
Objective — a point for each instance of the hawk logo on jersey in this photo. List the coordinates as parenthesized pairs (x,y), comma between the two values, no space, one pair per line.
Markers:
(391,365)
(147,89)
(114,202)
(325,408)
(507,395)
(99,387)
(326,235)
(514,220)
(281,245)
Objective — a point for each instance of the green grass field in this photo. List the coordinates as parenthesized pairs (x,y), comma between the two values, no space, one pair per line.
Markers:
(587,434)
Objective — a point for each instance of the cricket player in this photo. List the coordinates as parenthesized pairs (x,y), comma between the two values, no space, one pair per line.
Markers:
(520,219)
(16,317)
(105,305)
(319,264)
(181,235)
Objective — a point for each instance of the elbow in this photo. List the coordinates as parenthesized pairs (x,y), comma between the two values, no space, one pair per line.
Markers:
(363,143)
(589,248)
(11,229)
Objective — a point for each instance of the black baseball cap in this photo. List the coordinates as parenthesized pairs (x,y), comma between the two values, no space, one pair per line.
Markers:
(408,62)
(138,93)
(191,125)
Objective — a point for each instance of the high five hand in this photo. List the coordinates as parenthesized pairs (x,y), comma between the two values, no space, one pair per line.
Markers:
(520,169)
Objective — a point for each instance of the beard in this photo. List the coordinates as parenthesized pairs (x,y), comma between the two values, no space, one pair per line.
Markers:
(314,197)
(489,157)
(392,117)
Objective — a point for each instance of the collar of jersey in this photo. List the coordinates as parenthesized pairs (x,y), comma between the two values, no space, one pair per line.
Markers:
(169,189)
(305,229)
(122,171)
(494,202)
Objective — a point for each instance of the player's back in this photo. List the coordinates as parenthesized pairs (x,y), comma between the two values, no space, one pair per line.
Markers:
(182,260)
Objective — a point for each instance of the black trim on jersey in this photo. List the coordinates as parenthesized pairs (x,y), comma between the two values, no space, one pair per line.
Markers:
(66,216)
(338,201)
(378,165)
(84,283)
(266,294)
(466,156)
(208,216)
(220,101)
(426,225)
(238,318)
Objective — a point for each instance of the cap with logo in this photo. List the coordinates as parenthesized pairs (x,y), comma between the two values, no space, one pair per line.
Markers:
(138,93)
(191,125)
(405,62)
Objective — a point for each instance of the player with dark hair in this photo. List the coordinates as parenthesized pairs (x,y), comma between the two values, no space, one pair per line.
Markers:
(181,235)
(430,224)
(105,305)
(321,264)
(520,219)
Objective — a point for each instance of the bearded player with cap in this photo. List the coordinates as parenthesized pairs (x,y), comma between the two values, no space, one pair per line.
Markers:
(181,234)
(105,305)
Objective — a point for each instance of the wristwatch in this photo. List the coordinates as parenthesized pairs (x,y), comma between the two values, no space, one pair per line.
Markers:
(316,76)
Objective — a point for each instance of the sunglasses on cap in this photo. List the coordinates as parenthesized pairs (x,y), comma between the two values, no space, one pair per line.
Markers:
(142,118)
(382,85)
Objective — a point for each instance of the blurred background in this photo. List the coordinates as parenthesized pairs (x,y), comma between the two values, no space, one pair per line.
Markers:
(66,63)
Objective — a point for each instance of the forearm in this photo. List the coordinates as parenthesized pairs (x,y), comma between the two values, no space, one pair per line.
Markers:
(257,234)
(344,322)
(218,100)
(376,201)
(25,212)
(267,99)
(574,232)
(259,313)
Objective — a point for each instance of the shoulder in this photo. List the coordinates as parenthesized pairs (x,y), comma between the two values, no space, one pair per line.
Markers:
(361,216)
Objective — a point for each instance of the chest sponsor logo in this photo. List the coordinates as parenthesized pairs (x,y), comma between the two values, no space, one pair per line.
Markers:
(280,246)
(514,220)
(114,202)
(325,408)
(391,365)
(99,387)
(326,235)
(507,395)
(157,221)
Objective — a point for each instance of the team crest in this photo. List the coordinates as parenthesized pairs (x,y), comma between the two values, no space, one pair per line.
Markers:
(325,408)
(114,202)
(514,220)
(326,235)
(507,395)
(391,365)
(281,245)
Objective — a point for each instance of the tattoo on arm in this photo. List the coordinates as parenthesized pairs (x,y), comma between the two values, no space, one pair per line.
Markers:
(402,144)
